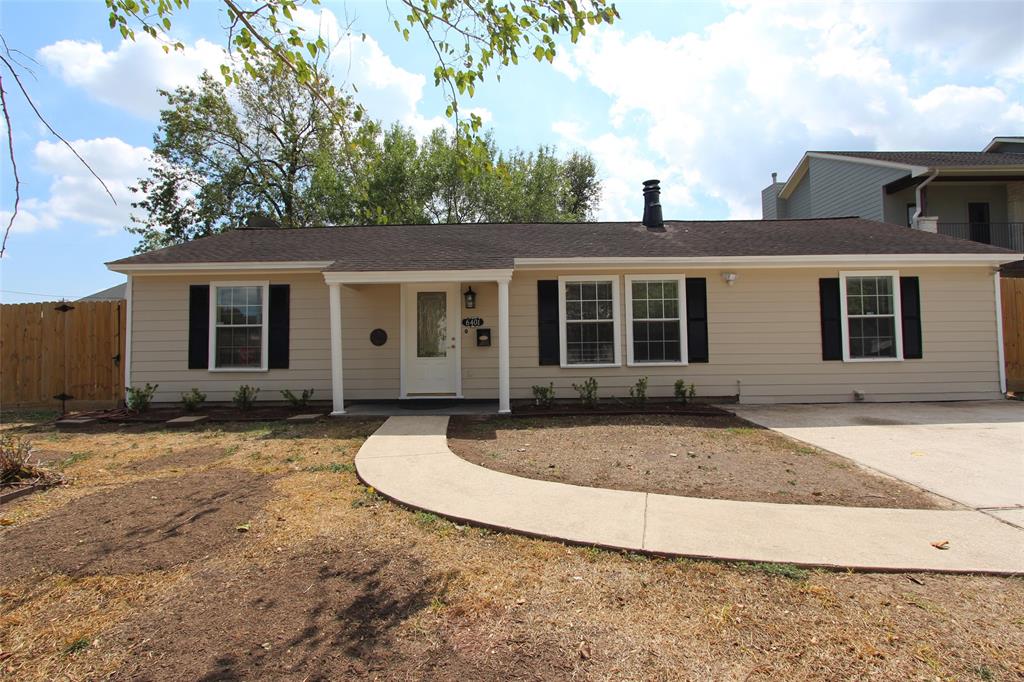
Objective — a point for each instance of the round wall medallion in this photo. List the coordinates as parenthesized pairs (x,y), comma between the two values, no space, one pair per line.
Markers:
(378,337)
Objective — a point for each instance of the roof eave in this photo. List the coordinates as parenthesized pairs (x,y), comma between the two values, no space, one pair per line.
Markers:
(227,266)
(796,261)
(801,169)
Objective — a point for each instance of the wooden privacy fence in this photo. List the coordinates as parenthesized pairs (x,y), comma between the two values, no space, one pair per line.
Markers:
(51,349)
(1013,331)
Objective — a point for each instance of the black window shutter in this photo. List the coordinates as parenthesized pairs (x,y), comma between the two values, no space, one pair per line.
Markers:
(199,326)
(697,319)
(831,322)
(277,353)
(910,302)
(547,322)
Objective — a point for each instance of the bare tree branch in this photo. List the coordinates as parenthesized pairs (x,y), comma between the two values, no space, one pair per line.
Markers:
(14,168)
(6,60)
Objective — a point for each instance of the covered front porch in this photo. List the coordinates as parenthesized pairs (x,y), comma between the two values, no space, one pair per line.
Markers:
(417,338)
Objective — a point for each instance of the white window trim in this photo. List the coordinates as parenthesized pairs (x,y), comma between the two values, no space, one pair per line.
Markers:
(616,319)
(264,337)
(681,284)
(896,307)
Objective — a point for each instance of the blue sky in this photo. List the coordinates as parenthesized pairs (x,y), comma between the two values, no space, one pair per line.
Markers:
(709,97)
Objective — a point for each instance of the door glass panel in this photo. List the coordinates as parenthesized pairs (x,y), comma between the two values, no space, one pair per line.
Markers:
(431,324)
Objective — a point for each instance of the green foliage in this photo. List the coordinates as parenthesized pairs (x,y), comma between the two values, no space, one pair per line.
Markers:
(298,400)
(272,151)
(684,392)
(638,392)
(193,399)
(544,396)
(587,392)
(468,37)
(782,570)
(245,397)
(333,468)
(138,399)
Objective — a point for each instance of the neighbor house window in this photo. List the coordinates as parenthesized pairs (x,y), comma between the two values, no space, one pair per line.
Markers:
(589,312)
(871,316)
(655,333)
(239,326)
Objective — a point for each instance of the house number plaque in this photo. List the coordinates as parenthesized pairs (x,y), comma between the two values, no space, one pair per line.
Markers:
(472,321)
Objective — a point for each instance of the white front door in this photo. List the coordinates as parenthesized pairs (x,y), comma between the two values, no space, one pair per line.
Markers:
(430,340)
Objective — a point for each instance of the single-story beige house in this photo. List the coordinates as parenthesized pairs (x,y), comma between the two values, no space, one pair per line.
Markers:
(767,311)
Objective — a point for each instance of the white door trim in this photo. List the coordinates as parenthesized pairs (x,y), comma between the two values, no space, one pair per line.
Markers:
(453,289)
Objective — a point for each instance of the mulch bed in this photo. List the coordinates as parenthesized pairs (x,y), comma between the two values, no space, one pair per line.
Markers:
(615,407)
(150,525)
(215,413)
(323,610)
(720,457)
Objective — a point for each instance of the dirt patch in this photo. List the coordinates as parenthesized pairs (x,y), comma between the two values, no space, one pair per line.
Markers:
(712,457)
(323,610)
(150,525)
(190,458)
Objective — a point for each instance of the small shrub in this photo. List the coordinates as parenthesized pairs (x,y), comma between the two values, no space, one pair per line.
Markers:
(684,392)
(138,399)
(245,396)
(544,396)
(193,399)
(298,400)
(588,392)
(638,392)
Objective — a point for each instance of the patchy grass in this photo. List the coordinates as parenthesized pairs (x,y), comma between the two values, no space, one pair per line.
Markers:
(331,581)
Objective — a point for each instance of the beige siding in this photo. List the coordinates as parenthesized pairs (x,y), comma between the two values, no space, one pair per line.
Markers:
(160,340)
(764,342)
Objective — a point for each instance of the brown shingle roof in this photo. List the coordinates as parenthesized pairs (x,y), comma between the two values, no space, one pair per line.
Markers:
(940,159)
(480,246)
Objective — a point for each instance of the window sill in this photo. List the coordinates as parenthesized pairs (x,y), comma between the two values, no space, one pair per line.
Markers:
(590,366)
(238,369)
(872,359)
(658,364)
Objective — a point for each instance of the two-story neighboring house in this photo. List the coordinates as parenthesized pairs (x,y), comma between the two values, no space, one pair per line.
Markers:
(976,195)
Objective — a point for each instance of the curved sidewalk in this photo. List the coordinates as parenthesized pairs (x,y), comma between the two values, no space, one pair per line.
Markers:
(408,460)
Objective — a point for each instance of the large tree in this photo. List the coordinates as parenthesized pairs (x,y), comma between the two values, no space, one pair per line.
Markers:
(223,156)
(266,148)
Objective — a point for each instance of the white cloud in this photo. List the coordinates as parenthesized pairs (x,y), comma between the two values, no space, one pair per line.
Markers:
(128,77)
(74,195)
(723,108)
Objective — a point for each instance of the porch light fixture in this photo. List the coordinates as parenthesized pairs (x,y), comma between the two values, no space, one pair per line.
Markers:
(470,297)
(729,277)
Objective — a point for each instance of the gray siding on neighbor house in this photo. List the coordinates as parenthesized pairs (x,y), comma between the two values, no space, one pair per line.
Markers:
(798,205)
(845,188)
(770,201)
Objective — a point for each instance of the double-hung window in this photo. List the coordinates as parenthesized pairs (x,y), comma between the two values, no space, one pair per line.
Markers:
(655,331)
(238,325)
(870,305)
(589,316)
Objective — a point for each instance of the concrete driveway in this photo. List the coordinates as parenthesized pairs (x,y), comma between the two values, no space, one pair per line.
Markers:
(970,452)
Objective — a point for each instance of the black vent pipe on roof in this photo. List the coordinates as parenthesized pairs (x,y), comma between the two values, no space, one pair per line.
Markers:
(652,205)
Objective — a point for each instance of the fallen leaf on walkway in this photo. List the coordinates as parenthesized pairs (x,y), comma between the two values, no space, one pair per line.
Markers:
(6,522)
(941,544)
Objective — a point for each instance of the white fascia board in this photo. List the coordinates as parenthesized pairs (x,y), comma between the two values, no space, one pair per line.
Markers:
(918,259)
(980,170)
(795,177)
(998,140)
(255,266)
(411,276)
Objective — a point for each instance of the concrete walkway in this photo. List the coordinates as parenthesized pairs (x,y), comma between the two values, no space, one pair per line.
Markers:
(408,460)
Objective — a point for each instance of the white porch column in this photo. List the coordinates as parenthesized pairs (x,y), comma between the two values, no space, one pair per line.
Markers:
(503,351)
(337,378)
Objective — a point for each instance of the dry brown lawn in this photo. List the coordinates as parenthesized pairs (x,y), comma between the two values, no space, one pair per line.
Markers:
(722,457)
(301,573)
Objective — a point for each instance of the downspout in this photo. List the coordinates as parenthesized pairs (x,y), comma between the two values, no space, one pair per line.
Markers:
(919,198)
(999,332)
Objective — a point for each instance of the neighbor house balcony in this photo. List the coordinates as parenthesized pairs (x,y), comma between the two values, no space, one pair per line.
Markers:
(1007,235)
